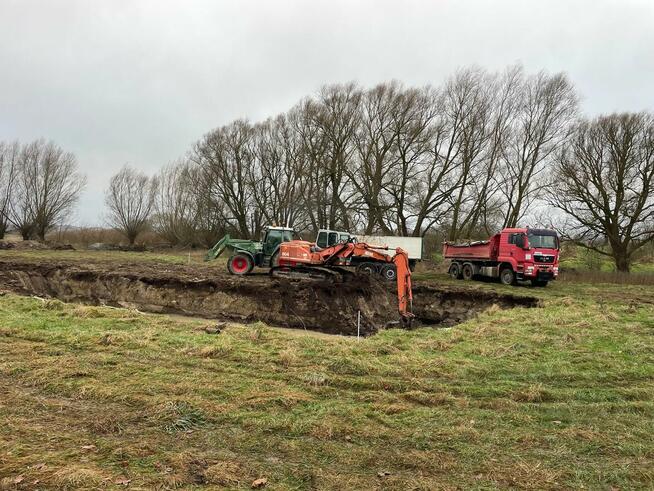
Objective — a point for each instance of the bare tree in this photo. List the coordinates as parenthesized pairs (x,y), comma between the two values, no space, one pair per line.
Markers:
(547,106)
(177,209)
(223,157)
(48,186)
(376,154)
(9,153)
(604,182)
(277,178)
(130,199)
(327,129)
(414,126)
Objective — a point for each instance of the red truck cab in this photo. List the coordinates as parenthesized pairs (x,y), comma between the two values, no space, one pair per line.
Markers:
(515,254)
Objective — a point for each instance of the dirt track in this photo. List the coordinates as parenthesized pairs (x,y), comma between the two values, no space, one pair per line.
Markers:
(202,291)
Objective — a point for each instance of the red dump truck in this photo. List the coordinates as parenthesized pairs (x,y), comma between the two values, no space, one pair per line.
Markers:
(515,254)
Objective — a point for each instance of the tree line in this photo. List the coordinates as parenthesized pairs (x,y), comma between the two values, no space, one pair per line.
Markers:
(481,152)
(462,160)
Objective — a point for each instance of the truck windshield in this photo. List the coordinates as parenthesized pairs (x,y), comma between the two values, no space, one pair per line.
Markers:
(543,241)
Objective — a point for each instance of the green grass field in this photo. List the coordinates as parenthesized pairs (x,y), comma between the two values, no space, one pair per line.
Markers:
(556,397)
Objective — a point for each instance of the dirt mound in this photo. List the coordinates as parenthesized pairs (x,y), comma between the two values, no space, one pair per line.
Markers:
(22,245)
(324,306)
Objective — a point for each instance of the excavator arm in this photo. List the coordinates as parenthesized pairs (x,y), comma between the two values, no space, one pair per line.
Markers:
(403,273)
(404,293)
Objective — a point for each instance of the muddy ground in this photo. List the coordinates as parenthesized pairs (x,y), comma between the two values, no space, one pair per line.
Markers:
(207,292)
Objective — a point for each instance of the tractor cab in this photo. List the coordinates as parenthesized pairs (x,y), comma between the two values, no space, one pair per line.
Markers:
(328,238)
(273,236)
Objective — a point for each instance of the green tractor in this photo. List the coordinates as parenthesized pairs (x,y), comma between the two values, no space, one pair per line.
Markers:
(246,254)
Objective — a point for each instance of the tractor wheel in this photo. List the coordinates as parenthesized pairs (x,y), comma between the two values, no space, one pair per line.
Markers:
(507,276)
(368,268)
(467,272)
(389,272)
(455,271)
(239,264)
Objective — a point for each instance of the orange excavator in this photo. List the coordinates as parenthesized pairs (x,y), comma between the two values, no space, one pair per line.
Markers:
(299,258)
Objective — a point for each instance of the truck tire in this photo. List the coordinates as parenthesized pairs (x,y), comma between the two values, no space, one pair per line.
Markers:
(507,276)
(539,283)
(240,264)
(389,272)
(455,271)
(467,271)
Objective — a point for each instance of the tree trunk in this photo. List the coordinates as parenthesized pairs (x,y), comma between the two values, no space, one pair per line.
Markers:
(621,261)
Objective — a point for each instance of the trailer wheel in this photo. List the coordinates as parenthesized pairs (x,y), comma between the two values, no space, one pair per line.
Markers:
(368,268)
(389,272)
(468,271)
(507,276)
(454,271)
(240,264)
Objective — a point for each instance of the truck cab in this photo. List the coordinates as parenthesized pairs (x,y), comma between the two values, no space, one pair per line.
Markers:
(533,254)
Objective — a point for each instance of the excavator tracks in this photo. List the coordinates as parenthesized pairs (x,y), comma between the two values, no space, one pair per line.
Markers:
(311,273)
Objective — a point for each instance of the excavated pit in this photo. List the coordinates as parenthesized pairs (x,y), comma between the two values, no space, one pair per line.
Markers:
(207,292)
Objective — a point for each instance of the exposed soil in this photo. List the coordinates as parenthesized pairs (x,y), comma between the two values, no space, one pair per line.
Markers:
(202,291)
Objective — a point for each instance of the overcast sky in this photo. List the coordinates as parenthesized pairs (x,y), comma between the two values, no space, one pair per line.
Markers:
(137,82)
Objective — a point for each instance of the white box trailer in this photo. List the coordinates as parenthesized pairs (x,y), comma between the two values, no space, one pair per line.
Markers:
(412,245)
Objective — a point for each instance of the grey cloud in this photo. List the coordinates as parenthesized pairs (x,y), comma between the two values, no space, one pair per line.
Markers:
(138,82)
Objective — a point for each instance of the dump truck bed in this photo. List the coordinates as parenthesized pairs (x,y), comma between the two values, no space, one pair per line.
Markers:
(482,250)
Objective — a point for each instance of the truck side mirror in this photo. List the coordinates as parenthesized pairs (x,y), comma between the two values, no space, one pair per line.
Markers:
(525,242)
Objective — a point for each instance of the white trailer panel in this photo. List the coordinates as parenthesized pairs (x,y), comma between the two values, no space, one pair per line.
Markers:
(412,245)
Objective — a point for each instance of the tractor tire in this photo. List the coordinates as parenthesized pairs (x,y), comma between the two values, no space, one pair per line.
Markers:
(539,283)
(467,272)
(368,268)
(507,276)
(240,264)
(455,271)
(388,272)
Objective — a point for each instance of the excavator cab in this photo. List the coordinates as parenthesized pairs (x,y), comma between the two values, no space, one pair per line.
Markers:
(328,238)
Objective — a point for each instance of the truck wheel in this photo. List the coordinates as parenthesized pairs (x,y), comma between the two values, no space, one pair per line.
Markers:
(454,272)
(368,268)
(468,271)
(539,283)
(507,276)
(389,272)
(239,264)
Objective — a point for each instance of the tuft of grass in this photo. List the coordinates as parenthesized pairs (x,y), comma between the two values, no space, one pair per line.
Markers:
(181,416)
